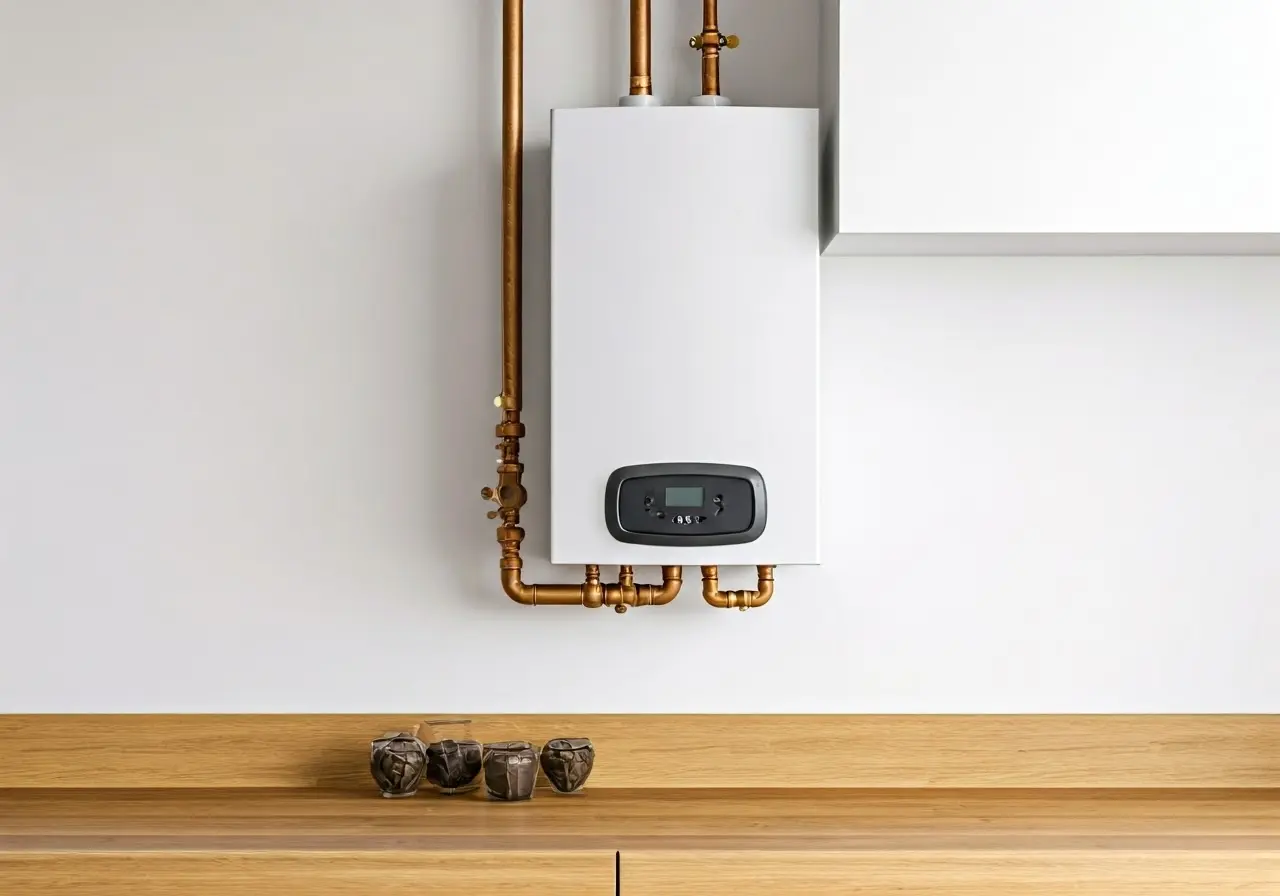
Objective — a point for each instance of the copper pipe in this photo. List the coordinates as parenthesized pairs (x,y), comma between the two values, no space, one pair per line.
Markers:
(512,203)
(588,594)
(657,596)
(641,82)
(628,594)
(743,600)
(510,495)
(710,50)
(709,41)
(592,590)
(591,593)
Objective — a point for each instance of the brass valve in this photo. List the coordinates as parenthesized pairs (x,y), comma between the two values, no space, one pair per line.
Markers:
(506,497)
(728,41)
(710,41)
(490,495)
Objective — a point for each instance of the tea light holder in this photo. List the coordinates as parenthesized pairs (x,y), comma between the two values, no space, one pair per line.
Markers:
(396,761)
(454,758)
(510,770)
(567,763)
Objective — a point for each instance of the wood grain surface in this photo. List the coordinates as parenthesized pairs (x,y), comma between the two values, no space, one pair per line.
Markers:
(932,842)
(612,819)
(666,751)
(292,874)
(944,872)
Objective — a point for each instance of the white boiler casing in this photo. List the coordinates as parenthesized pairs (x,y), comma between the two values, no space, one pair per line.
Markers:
(684,319)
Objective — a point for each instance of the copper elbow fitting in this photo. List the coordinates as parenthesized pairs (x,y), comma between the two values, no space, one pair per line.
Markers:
(540,595)
(743,600)
(628,594)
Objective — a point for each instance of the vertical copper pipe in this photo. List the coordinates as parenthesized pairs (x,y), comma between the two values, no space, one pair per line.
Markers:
(710,49)
(641,82)
(510,494)
(512,204)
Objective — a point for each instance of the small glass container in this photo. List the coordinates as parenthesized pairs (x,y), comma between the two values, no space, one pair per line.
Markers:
(510,770)
(453,756)
(396,761)
(567,763)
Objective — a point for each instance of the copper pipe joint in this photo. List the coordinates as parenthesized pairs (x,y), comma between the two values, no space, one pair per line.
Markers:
(588,594)
(641,62)
(591,593)
(709,41)
(743,600)
(672,578)
(628,594)
(592,590)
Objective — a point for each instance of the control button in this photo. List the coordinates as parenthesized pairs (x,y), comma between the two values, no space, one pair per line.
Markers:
(648,500)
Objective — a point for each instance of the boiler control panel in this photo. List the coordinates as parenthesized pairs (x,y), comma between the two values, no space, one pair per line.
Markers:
(687,504)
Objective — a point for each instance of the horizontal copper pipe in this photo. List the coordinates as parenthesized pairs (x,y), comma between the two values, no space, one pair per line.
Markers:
(542,595)
(591,593)
(743,600)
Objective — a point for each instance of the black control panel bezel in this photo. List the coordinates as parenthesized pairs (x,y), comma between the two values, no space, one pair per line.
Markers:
(613,491)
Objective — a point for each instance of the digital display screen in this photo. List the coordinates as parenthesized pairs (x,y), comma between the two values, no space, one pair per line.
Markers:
(684,496)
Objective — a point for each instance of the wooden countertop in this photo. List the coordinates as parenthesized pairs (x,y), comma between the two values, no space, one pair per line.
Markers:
(256,819)
(877,805)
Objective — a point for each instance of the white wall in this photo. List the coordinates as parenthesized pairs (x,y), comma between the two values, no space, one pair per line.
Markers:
(248,342)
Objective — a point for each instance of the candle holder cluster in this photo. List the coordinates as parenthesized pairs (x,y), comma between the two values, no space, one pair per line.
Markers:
(452,762)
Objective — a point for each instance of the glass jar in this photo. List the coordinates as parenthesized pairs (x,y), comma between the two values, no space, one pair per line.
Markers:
(567,763)
(510,770)
(396,761)
(453,756)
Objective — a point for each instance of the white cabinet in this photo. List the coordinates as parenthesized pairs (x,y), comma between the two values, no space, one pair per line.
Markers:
(1051,126)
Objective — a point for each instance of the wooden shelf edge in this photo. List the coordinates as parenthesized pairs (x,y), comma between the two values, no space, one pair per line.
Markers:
(667,751)
(678,821)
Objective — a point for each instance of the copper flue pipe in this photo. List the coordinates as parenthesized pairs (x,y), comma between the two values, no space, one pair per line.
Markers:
(743,600)
(512,204)
(641,82)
